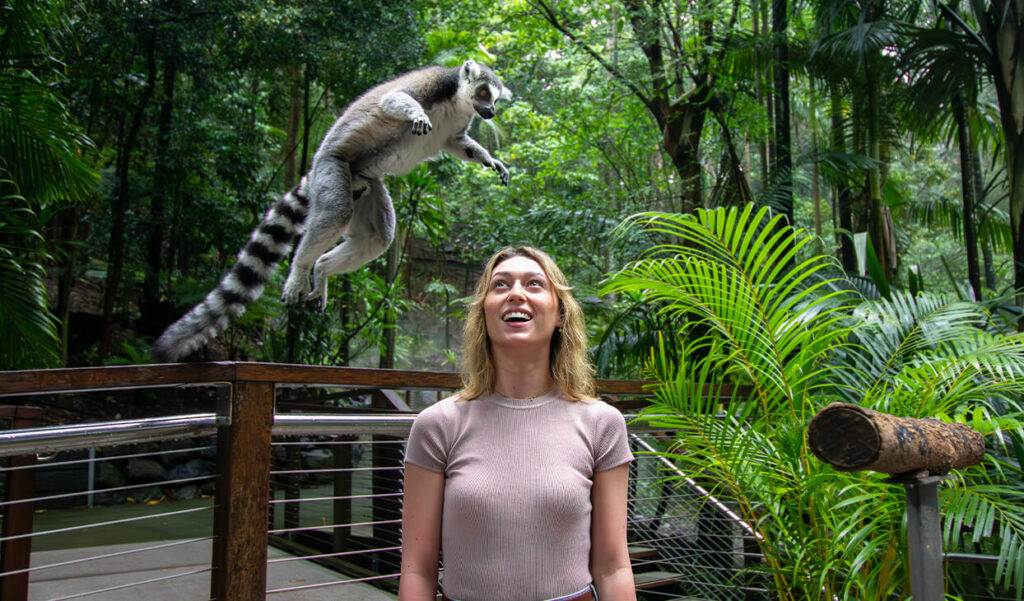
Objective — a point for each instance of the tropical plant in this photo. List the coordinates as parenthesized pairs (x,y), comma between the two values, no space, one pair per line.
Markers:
(28,331)
(40,167)
(755,308)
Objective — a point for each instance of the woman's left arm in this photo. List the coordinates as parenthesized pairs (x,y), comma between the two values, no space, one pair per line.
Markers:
(609,555)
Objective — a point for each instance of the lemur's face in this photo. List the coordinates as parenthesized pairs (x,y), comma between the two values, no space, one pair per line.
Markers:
(484,98)
(485,88)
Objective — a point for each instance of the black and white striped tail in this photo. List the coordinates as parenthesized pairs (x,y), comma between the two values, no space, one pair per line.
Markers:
(269,243)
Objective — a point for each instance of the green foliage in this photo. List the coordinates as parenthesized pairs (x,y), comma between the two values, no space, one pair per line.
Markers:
(750,312)
(28,331)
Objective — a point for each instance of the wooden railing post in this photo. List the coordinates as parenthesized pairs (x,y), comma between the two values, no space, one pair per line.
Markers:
(243,493)
(17,553)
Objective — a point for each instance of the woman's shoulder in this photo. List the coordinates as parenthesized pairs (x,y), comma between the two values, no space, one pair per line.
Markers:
(596,408)
(437,409)
(447,408)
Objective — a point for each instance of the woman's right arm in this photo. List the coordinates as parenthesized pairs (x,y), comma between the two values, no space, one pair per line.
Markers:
(421,533)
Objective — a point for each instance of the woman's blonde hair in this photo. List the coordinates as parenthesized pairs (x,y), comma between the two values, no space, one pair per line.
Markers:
(570,367)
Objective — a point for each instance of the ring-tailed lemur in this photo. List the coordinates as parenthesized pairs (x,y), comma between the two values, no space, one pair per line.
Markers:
(390,129)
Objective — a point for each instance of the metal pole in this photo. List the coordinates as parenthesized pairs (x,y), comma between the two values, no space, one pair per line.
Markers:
(924,536)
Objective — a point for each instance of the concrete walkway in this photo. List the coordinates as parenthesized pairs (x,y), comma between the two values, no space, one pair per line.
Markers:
(175,573)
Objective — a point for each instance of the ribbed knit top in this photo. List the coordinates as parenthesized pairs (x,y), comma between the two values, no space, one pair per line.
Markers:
(518,473)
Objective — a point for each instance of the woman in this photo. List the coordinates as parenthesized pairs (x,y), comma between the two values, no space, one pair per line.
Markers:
(520,478)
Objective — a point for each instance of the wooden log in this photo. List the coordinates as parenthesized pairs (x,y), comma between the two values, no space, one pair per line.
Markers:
(850,438)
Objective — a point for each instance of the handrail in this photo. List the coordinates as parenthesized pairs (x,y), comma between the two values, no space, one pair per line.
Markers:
(16,383)
(243,423)
(30,441)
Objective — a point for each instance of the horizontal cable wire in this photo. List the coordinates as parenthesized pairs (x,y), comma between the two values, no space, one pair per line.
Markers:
(341,498)
(329,526)
(110,523)
(70,562)
(52,464)
(332,470)
(132,584)
(330,555)
(322,585)
(97,491)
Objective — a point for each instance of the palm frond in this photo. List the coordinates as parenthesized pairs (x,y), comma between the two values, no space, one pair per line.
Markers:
(28,330)
(38,145)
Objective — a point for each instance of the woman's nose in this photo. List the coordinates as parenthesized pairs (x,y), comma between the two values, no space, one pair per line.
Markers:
(516,291)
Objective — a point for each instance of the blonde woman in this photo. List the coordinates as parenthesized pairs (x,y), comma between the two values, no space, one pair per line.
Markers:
(519,480)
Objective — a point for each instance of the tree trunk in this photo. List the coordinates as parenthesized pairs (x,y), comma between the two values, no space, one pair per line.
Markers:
(291,140)
(853,438)
(681,140)
(759,94)
(1015,159)
(298,114)
(782,160)
(876,217)
(987,252)
(151,318)
(1002,28)
(963,138)
(115,247)
(342,355)
(69,220)
(843,193)
(390,321)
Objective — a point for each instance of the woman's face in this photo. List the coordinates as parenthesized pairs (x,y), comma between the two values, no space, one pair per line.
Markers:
(521,306)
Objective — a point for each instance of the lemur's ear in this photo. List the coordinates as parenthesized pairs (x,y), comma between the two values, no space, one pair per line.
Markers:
(470,69)
(506,94)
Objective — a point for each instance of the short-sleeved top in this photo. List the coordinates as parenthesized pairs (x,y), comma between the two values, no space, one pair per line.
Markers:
(518,474)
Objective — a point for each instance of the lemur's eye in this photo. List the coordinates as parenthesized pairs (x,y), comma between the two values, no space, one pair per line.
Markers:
(484,94)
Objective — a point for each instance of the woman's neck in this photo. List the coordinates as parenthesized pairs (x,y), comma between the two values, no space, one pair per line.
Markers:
(521,376)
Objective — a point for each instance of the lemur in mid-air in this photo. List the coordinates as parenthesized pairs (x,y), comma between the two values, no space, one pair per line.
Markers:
(389,130)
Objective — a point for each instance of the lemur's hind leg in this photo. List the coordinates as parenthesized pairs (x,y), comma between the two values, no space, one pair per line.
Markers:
(367,235)
(330,210)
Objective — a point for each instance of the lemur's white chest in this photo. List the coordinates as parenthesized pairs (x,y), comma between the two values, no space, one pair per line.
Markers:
(449,121)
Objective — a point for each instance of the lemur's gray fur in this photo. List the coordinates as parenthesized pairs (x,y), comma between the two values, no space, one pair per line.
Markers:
(388,130)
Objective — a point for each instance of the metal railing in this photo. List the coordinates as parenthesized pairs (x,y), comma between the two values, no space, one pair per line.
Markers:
(297,488)
(294,471)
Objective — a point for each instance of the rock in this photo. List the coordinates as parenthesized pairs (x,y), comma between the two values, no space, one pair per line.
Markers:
(110,498)
(184,493)
(108,476)
(145,470)
(193,468)
(146,493)
(170,458)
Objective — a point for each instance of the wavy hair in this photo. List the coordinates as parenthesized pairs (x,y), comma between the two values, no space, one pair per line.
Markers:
(570,367)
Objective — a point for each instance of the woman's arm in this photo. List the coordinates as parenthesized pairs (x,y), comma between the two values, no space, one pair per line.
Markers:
(421,533)
(609,555)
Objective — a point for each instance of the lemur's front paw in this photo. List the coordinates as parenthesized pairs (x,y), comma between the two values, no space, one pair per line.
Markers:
(421,125)
(500,168)
(295,289)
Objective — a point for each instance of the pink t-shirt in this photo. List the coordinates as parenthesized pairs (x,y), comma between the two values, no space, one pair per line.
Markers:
(518,472)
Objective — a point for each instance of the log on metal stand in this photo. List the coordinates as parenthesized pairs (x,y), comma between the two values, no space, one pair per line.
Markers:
(850,437)
(916,452)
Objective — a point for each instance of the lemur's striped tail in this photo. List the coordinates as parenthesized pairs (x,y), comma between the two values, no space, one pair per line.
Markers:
(269,243)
